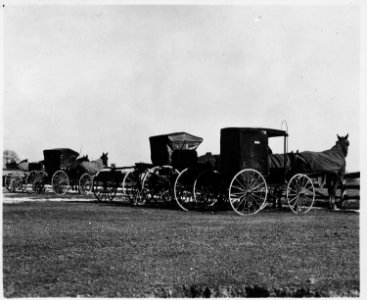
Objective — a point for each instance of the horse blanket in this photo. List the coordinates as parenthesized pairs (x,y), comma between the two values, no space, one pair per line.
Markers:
(327,161)
(92,167)
(276,161)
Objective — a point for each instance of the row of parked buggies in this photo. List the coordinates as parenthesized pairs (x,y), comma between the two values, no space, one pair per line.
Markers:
(245,176)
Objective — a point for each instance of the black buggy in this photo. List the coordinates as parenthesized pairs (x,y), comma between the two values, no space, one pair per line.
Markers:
(246,175)
(59,172)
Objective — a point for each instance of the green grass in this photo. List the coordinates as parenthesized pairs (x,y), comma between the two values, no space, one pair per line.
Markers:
(93,249)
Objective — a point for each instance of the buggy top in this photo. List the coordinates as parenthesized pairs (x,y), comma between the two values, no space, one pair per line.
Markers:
(58,159)
(162,146)
(246,147)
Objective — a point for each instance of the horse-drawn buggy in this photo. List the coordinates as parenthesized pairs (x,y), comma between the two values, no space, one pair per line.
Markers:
(247,175)
(19,177)
(150,182)
(63,169)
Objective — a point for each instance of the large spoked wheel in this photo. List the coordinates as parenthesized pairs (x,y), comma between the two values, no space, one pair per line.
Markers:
(131,186)
(158,184)
(60,182)
(36,181)
(248,192)
(104,189)
(85,183)
(183,189)
(208,188)
(300,194)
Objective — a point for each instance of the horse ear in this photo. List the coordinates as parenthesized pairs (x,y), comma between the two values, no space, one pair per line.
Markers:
(338,136)
(347,136)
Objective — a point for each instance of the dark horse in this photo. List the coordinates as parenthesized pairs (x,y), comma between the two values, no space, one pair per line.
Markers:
(73,170)
(329,164)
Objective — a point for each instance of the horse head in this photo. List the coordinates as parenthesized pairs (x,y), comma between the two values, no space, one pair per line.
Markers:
(104,158)
(344,143)
(84,158)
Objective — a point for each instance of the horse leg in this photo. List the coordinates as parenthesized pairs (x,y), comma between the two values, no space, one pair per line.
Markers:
(332,183)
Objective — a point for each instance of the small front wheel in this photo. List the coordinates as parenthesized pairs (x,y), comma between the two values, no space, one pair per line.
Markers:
(248,192)
(183,191)
(36,181)
(9,182)
(104,189)
(85,183)
(60,182)
(158,184)
(300,194)
(131,186)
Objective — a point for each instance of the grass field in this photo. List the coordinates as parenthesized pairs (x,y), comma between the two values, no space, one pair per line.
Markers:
(54,249)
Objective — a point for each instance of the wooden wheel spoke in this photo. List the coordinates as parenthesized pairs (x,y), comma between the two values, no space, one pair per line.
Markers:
(258,197)
(241,185)
(237,193)
(244,199)
(255,187)
(239,188)
(293,199)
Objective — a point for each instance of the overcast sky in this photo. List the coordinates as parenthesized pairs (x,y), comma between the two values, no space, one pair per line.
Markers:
(105,78)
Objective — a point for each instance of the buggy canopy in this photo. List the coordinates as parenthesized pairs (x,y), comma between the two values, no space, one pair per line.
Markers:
(245,147)
(58,158)
(162,146)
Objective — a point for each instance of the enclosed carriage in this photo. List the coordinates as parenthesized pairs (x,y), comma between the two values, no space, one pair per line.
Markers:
(59,171)
(245,175)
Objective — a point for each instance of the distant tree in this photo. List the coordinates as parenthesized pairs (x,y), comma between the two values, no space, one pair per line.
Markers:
(10,156)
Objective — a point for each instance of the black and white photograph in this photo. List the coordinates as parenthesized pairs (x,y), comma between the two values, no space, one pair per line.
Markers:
(183,149)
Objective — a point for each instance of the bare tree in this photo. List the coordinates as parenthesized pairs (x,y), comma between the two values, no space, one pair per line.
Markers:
(10,156)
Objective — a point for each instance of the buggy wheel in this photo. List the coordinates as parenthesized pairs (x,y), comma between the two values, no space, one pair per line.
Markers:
(158,183)
(131,186)
(30,180)
(85,183)
(183,189)
(248,192)
(104,190)
(18,181)
(60,182)
(36,181)
(208,188)
(300,194)
(9,182)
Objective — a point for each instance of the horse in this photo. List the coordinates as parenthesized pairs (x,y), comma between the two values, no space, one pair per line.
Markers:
(72,169)
(92,167)
(74,164)
(330,164)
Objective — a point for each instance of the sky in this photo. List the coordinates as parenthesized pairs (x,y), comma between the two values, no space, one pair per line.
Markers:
(97,78)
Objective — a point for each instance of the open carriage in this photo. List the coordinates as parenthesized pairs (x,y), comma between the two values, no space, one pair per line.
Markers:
(245,175)
(149,182)
(21,176)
